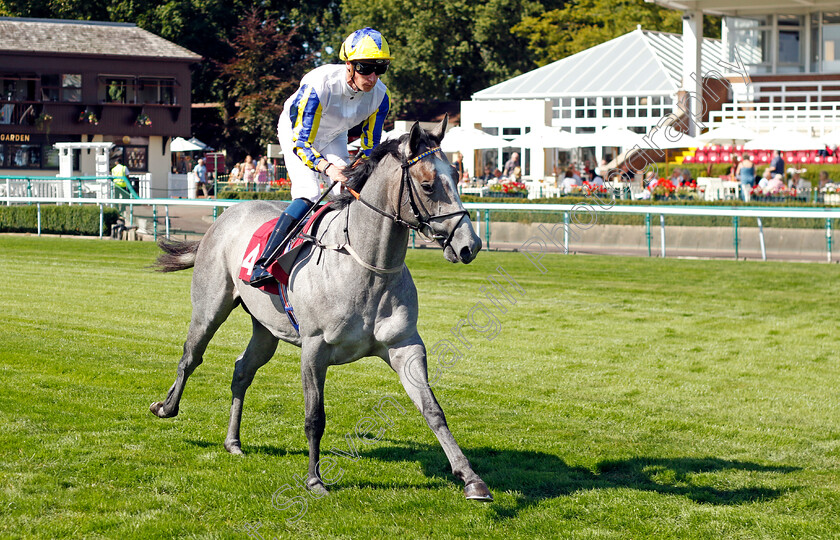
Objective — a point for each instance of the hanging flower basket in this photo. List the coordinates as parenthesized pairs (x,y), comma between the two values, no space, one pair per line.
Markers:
(143,120)
(43,121)
(88,117)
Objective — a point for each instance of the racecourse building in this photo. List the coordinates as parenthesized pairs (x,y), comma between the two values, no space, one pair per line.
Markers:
(629,82)
(82,81)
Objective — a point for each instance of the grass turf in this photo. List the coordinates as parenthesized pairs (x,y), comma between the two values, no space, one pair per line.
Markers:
(618,398)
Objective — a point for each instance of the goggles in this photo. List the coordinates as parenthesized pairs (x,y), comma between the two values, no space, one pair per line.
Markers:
(366,68)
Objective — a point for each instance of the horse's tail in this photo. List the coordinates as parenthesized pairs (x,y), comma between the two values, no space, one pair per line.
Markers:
(177,255)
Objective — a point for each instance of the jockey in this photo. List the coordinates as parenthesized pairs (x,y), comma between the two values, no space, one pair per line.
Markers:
(313,128)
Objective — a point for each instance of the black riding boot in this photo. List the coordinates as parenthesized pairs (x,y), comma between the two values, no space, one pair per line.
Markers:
(260,275)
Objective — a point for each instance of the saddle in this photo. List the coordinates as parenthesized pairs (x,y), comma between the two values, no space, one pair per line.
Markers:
(282,267)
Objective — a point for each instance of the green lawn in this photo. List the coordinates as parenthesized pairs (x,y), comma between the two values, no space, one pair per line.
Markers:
(619,398)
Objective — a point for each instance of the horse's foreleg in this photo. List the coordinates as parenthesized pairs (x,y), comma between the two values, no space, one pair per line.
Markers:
(408,359)
(209,312)
(259,351)
(313,371)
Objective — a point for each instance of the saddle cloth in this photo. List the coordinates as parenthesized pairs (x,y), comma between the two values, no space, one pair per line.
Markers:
(258,241)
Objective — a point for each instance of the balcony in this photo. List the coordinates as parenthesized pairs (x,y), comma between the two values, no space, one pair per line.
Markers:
(91,118)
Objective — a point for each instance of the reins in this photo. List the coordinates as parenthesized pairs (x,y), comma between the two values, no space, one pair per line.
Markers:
(423,221)
(396,217)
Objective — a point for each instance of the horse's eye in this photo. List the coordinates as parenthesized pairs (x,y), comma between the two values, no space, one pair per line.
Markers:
(428,188)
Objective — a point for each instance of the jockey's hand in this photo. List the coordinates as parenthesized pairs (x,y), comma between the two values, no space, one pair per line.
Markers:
(335,173)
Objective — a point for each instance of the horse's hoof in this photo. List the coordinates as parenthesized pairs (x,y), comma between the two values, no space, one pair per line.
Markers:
(477,491)
(317,487)
(234,447)
(157,410)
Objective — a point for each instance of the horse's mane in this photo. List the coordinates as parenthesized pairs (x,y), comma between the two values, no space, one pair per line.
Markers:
(358,173)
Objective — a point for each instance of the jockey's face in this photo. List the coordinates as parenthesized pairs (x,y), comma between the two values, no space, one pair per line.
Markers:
(357,81)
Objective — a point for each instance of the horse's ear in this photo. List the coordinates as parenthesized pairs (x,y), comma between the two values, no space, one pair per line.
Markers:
(439,130)
(414,139)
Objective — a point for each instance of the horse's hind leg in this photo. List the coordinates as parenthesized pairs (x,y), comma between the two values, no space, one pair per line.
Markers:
(259,351)
(408,359)
(211,306)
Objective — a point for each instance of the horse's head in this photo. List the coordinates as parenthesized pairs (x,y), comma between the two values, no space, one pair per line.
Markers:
(428,195)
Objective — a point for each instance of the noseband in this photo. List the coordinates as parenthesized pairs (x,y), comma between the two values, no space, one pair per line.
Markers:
(423,222)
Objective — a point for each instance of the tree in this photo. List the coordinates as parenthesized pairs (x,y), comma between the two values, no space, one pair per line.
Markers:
(445,51)
(267,64)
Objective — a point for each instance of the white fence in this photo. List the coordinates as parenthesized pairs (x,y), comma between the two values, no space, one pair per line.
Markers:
(574,215)
(97,187)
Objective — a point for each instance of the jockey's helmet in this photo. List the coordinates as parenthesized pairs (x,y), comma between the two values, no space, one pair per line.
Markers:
(365,44)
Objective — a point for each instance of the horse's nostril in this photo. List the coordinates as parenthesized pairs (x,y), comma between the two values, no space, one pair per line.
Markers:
(466,254)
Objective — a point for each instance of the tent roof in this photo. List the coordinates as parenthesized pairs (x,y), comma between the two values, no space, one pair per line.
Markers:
(637,63)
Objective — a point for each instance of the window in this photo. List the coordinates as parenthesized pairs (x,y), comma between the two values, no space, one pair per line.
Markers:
(133,157)
(17,88)
(116,90)
(155,90)
(64,87)
(50,87)
(71,88)
(750,37)
(20,156)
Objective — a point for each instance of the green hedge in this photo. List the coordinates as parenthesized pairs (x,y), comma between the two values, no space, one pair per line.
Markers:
(76,219)
(279,195)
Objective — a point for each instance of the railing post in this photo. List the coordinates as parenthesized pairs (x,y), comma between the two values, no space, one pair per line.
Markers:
(215,212)
(662,234)
(647,232)
(828,238)
(154,219)
(735,240)
(39,219)
(167,221)
(761,240)
(566,233)
(413,238)
(8,191)
(478,223)
(130,215)
(487,226)
(101,220)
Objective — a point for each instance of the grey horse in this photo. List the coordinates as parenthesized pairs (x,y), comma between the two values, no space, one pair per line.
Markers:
(352,293)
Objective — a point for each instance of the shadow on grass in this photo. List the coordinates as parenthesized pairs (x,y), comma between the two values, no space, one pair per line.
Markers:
(255,449)
(538,476)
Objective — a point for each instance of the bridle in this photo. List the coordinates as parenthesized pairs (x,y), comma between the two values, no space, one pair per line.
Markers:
(424,222)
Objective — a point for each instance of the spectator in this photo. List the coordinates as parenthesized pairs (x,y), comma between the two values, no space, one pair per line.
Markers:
(569,181)
(686,178)
(488,174)
(777,164)
(459,166)
(746,175)
(597,179)
(248,170)
(775,185)
(120,172)
(261,173)
(510,165)
(676,176)
(765,179)
(200,172)
(824,179)
(235,174)
(796,181)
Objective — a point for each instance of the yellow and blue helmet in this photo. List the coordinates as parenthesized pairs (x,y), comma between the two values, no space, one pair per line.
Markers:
(365,44)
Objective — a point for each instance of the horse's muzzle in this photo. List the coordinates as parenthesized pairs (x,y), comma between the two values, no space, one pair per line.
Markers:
(465,244)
